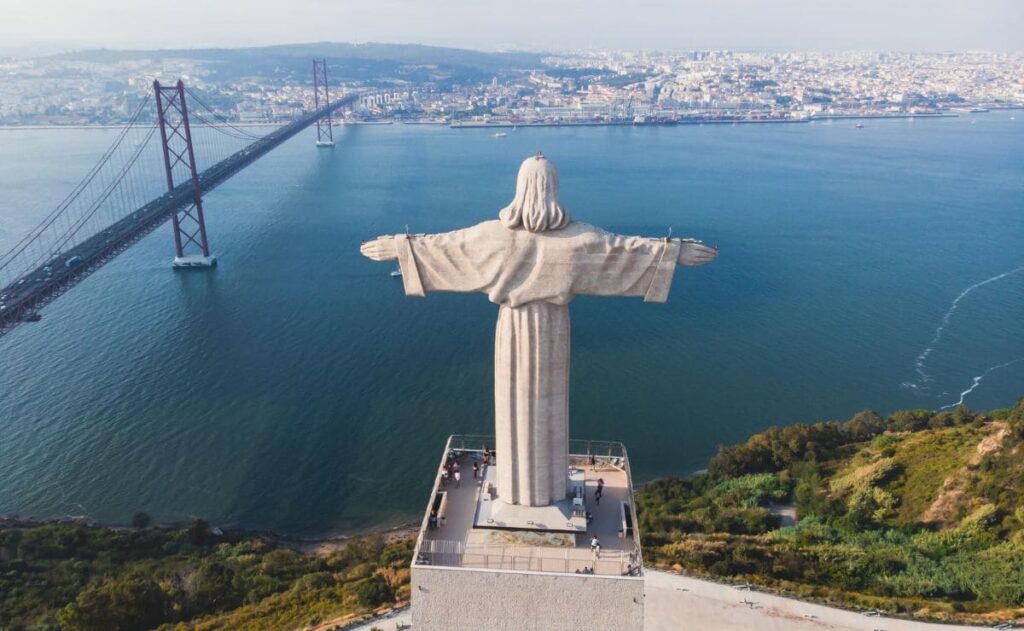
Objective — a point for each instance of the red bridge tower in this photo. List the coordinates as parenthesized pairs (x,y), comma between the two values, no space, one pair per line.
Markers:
(176,139)
(322,98)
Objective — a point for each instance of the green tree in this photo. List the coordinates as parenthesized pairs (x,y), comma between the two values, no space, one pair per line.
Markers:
(141,520)
(810,494)
(214,588)
(374,592)
(909,420)
(199,532)
(127,604)
(1016,418)
(865,425)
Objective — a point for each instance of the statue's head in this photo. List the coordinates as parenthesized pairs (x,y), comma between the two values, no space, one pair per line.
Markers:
(536,205)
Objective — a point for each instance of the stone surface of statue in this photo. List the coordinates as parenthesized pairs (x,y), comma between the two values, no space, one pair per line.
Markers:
(532,261)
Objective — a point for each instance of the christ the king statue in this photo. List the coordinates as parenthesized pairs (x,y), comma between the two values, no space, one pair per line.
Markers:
(532,261)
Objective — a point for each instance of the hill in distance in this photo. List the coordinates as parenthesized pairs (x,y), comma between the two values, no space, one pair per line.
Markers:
(371,62)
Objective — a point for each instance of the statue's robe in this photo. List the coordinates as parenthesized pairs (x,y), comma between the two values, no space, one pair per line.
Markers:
(533,276)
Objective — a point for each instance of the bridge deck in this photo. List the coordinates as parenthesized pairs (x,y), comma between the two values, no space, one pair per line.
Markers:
(26,295)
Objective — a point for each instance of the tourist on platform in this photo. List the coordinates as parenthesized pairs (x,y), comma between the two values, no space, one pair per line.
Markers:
(476,469)
(458,479)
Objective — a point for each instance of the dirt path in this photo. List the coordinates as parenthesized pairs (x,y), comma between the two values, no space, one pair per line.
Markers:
(946,507)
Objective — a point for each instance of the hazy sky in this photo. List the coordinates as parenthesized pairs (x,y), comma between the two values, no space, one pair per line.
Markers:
(531,24)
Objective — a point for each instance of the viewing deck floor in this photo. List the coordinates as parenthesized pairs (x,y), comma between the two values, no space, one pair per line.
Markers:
(456,542)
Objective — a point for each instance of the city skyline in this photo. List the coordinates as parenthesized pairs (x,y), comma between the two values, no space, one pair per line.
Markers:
(916,25)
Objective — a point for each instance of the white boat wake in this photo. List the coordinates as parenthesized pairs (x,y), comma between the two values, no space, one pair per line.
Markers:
(923,378)
(977,382)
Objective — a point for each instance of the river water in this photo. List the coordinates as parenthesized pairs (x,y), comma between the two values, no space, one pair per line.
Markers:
(296,388)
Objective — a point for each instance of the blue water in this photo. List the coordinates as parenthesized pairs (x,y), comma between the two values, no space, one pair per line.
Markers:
(295,388)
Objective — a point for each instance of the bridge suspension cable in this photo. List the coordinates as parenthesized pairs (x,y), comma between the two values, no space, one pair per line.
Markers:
(9,262)
(132,189)
(221,119)
(104,196)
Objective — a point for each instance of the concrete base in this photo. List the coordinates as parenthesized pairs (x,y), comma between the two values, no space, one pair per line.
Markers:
(324,143)
(555,517)
(492,512)
(194,261)
(449,598)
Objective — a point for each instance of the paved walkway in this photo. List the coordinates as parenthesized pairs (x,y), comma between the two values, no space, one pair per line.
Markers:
(680,603)
(401,619)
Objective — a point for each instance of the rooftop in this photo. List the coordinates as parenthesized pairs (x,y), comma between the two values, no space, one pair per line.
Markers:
(475,531)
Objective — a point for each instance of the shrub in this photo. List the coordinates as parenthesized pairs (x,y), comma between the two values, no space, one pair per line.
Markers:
(134,602)
(374,592)
(141,520)
(909,420)
(198,532)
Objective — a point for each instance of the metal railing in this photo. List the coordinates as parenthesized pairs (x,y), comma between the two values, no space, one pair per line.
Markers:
(609,453)
(528,558)
(577,447)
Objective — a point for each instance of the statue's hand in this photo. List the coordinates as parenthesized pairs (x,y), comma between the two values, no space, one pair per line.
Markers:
(380,249)
(696,253)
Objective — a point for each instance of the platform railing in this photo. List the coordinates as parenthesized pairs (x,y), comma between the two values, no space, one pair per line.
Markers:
(577,447)
(526,558)
(610,453)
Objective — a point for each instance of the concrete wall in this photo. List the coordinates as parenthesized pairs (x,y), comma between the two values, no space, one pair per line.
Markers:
(452,599)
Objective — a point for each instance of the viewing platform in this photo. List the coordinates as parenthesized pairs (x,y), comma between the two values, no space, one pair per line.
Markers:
(467,526)
(483,563)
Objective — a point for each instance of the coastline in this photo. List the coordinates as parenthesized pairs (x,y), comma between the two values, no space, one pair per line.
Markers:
(673,594)
(512,125)
(679,589)
(318,545)
(693,121)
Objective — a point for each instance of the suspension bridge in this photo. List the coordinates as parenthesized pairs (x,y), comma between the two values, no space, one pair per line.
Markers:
(138,184)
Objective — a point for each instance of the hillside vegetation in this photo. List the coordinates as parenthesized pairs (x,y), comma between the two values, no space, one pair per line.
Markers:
(919,513)
(67,576)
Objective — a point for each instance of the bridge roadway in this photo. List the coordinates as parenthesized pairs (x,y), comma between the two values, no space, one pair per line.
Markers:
(21,300)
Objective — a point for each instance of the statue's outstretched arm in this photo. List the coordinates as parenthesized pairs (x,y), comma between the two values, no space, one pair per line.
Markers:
(380,249)
(693,252)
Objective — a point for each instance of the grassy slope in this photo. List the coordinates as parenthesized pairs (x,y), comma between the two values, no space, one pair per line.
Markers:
(871,532)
